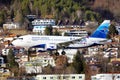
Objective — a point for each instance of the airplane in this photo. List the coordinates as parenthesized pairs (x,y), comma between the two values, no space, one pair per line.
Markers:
(42,42)
(52,42)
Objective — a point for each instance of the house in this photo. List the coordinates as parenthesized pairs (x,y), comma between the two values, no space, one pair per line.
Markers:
(39,25)
(93,50)
(1,60)
(111,52)
(80,33)
(69,53)
(35,64)
(60,77)
(5,51)
(11,26)
(16,50)
(118,29)
(45,59)
(105,76)
(33,67)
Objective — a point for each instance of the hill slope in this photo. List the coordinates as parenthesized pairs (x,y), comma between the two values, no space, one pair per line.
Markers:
(70,10)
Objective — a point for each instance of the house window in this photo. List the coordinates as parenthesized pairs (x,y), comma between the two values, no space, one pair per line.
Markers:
(64,77)
(58,77)
(73,77)
(45,60)
(44,77)
(80,77)
(51,77)
(118,77)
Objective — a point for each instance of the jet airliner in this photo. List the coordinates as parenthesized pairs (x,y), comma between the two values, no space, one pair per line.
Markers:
(51,42)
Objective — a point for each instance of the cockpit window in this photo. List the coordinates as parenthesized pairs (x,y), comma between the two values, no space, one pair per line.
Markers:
(20,38)
(83,40)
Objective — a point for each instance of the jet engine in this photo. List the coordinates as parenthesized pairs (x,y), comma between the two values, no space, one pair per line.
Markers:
(50,46)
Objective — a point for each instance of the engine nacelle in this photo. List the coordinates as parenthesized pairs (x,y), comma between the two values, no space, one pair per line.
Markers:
(50,46)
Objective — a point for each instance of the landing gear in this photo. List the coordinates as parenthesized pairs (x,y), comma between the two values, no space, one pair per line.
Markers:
(63,52)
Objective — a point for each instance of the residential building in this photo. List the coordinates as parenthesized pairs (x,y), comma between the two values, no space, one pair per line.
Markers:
(4,73)
(118,29)
(80,33)
(37,62)
(16,50)
(70,26)
(87,23)
(11,26)
(105,76)
(45,59)
(39,25)
(1,60)
(61,77)
(106,52)
(111,52)
(93,50)
(33,67)
(5,51)
(69,53)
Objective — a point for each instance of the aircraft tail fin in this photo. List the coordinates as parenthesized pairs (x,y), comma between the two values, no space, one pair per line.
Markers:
(102,30)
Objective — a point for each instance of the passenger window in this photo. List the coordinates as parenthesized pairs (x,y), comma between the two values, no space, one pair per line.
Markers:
(73,77)
(51,77)
(118,77)
(80,77)
(44,77)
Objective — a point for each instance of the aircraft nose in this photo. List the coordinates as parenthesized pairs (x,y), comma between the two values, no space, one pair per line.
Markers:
(13,43)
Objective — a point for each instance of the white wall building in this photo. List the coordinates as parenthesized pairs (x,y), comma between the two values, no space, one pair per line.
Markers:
(77,33)
(43,22)
(106,77)
(61,77)
(39,29)
(33,67)
(118,29)
(111,52)
(70,26)
(5,51)
(11,26)
(45,59)
(91,23)
(1,60)
(17,50)
(39,25)
(93,50)
(69,53)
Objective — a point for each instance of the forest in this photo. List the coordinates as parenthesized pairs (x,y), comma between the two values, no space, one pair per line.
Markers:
(72,10)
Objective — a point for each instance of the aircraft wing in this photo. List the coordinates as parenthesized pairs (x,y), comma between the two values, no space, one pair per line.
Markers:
(63,44)
(105,41)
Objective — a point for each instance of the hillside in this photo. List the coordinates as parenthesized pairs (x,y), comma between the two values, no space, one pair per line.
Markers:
(70,10)
(108,8)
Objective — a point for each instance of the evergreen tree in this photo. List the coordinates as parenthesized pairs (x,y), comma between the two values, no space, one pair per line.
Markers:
(89,15)
(12,65)
(12,14)
(48,30)
(2,17)
(112,31)
(56,32)
(11,59)
(79,63)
